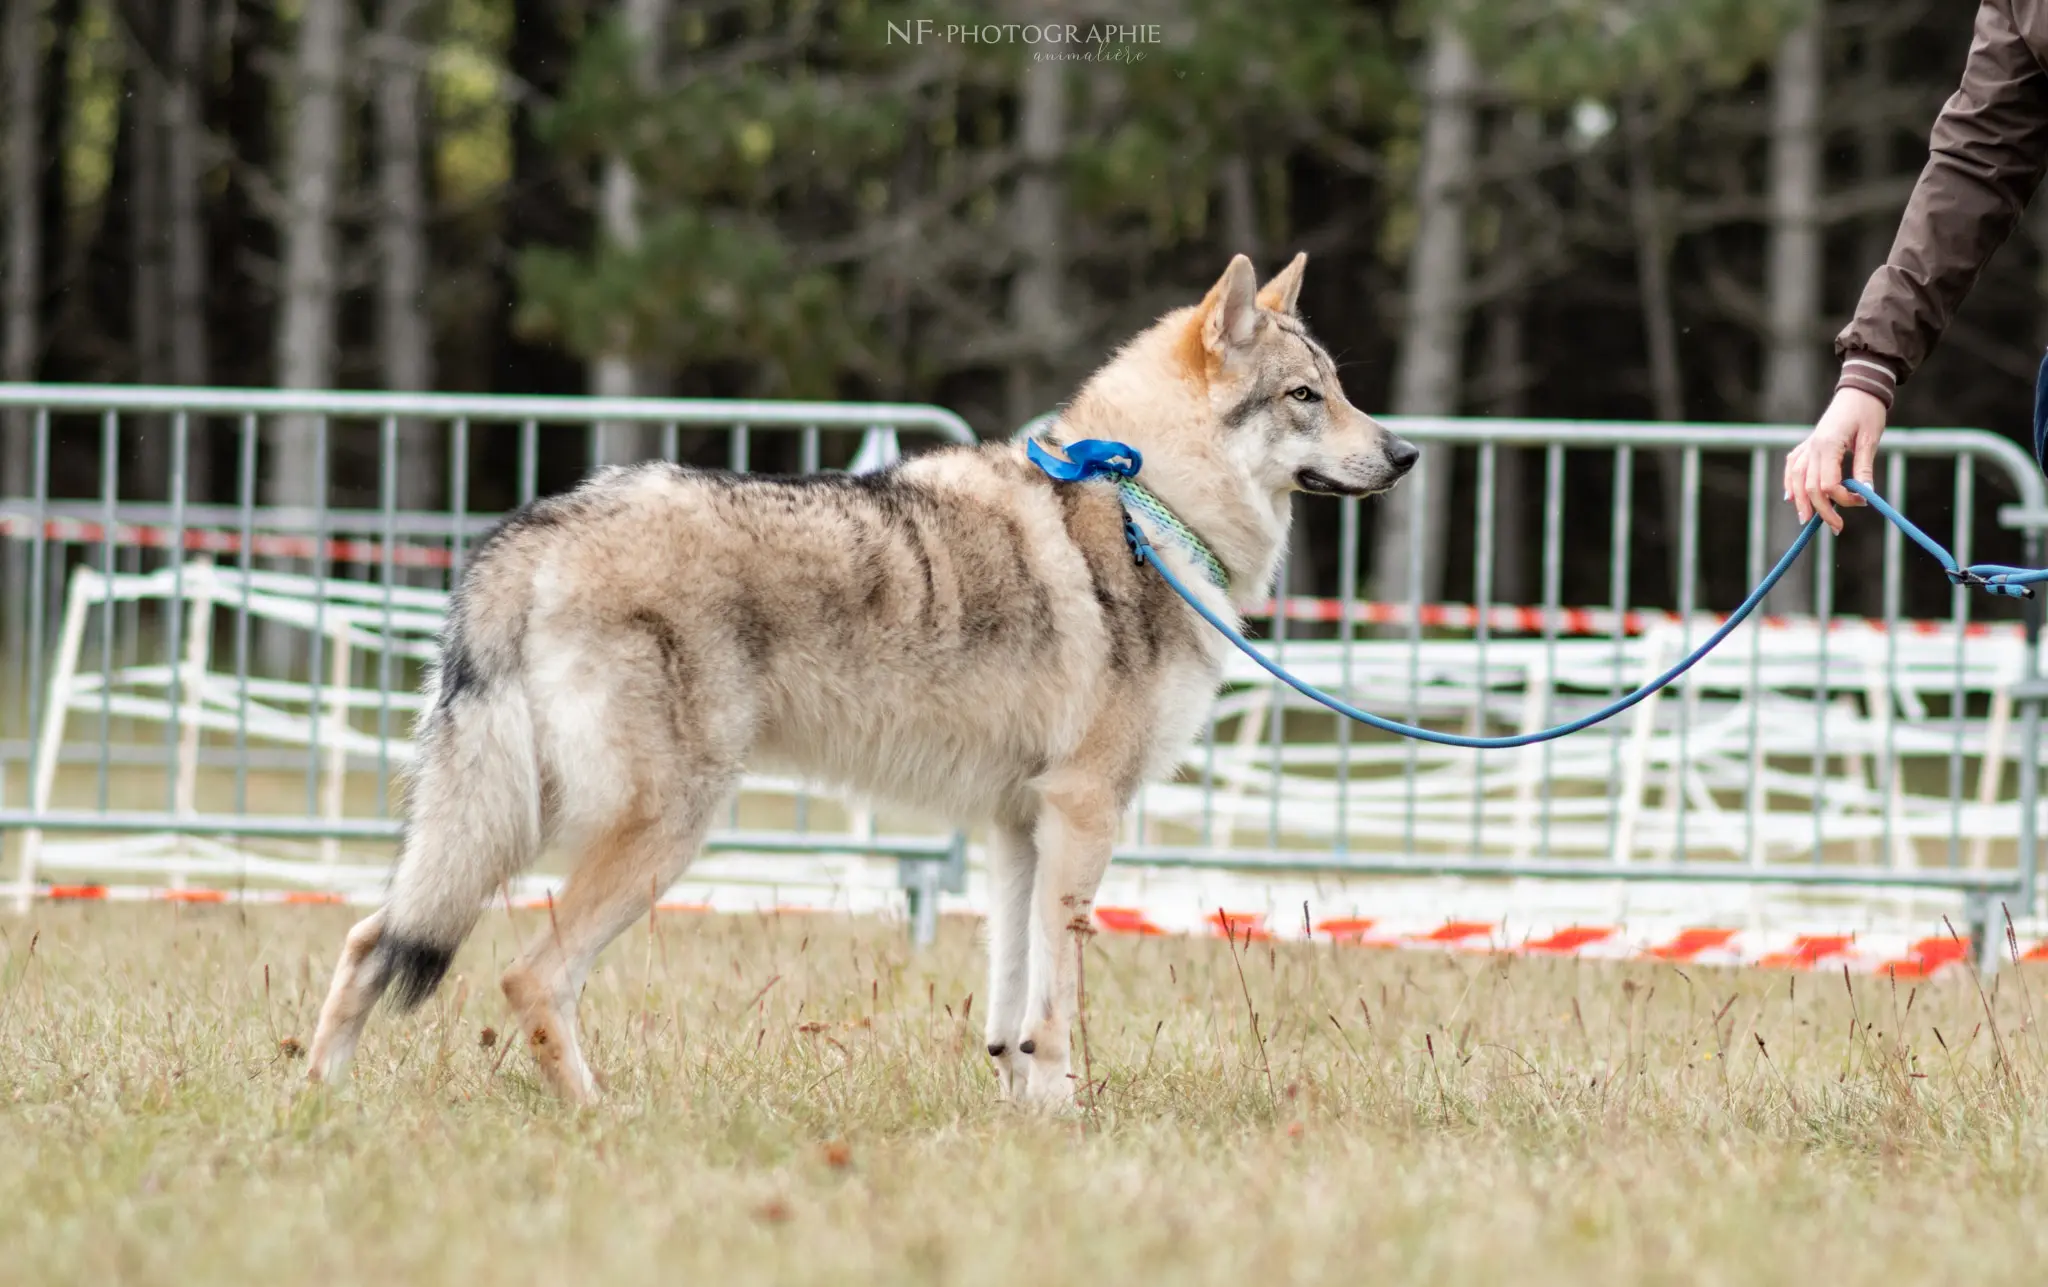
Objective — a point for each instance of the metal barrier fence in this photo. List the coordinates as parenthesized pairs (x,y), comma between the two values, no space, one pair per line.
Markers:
(1884,756)
(119,727)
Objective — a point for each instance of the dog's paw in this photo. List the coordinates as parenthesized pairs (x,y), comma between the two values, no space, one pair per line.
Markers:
(1043,1077)
(1013,1069)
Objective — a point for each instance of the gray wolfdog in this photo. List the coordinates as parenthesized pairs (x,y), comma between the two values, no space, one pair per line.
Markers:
(959,634)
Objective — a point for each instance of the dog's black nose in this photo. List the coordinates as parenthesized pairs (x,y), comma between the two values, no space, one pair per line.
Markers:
(1402,454)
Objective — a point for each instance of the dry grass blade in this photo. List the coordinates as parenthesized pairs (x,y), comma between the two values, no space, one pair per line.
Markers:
(1251,1011)
(2009,1073)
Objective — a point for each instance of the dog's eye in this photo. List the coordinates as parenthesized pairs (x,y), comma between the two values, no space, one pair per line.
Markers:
(1302,393)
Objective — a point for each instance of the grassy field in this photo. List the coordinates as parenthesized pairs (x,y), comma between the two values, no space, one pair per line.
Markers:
(806,1100)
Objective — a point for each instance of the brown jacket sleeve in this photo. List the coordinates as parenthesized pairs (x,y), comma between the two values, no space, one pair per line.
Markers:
(1985,158)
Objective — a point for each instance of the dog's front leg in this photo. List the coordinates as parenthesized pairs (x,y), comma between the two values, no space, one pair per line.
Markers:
(1076,828)
(1013,863)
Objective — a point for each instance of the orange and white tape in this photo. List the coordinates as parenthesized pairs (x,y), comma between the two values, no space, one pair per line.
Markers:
(1505,618)
(213,541)
(1513,619)
(1900,955)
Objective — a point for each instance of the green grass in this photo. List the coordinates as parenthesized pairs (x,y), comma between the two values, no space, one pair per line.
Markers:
(805,1099)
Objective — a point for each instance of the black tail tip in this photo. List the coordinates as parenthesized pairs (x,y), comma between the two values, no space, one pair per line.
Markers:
(414,969)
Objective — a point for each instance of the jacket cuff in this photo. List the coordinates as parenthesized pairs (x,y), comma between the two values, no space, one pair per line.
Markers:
(1869,375)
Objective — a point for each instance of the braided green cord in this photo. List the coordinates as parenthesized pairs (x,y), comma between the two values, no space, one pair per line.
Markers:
(1136,498)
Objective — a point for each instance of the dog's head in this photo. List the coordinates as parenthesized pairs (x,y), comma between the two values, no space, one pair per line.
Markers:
(1235,407)
(1236,386)
(1277,408)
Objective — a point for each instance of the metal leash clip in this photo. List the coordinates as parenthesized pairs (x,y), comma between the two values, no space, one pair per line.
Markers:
(1135,537)
(1974,579)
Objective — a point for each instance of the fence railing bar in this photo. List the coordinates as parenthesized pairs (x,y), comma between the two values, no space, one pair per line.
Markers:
(1553,599)
(245,483)
(38,571)
(174,635)
(1688,588)
(317,676)
(1620,525)
(110,473)
(458,500)
(1753,569)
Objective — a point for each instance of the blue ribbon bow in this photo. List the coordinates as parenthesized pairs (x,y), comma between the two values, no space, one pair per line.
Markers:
(1088,458)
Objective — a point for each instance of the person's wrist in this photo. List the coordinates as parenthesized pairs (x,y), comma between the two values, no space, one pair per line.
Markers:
(1862,402)
(1870,376)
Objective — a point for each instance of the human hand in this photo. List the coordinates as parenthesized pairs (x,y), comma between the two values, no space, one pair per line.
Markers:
(1851,425)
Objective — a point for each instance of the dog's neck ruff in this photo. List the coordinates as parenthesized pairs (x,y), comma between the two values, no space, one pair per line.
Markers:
(1100,458)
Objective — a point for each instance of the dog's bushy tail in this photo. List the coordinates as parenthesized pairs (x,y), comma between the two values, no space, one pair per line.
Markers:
(476,810)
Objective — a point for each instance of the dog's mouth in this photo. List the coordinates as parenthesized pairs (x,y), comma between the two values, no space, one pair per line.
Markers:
(1321,484)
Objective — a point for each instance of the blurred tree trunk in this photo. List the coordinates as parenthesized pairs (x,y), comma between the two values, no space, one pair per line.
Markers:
(617,374)
(1792,355)
(1037,315)
(1518,471)
(21,342)
(1237,196)
(1517,489)
(1874,150)
(294,467)
(1650,225)
(1240,207)
(1874,242)
(404,334)
(58,267)
(149,287)
(242,236)
(2037,228)
(23,339)
(146,440)
(305,335)
(539,206)
(1431,359)
(1652,236)
(185,174)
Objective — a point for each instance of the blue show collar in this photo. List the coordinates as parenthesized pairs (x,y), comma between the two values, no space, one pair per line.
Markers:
(1100,458)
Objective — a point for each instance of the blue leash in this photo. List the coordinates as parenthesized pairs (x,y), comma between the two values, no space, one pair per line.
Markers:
(1095,458)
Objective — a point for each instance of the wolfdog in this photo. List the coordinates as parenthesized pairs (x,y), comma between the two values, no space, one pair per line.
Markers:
(959,634)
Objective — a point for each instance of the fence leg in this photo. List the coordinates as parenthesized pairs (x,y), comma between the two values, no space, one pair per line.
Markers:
(2030,745)
(198,646)
(1636,769)
(1991,777)
(923,896)
(56,712)
(1977,911)
(953,877)
(1529,773)
(337,727)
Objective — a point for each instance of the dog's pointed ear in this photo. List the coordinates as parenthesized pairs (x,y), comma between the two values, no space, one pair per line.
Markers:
(1284,290)
(1230,313)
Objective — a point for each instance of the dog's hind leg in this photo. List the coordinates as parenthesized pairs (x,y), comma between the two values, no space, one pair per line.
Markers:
(1013,864)
(618,873)
(1076,828)
(359,979)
